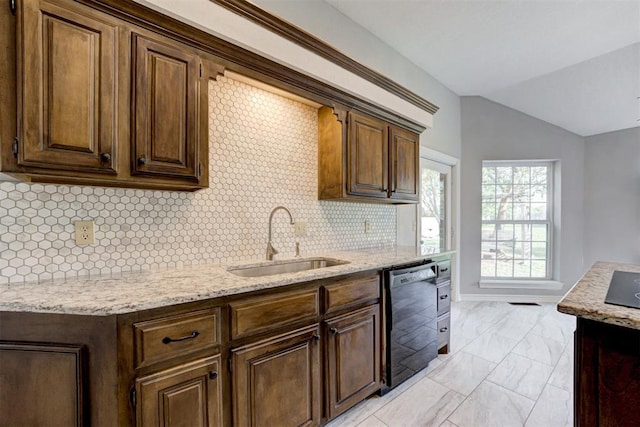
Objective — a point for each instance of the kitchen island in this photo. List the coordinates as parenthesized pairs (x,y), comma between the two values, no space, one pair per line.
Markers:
(607,351)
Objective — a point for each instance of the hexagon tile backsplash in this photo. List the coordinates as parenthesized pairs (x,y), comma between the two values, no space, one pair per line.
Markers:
(263,153)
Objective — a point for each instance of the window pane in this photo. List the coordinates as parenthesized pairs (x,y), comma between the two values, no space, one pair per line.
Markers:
(521,211)
(488,268)
(489,211)
(521,193)
(504,268)
(539,232)
(488,175)
(538,193)
(503,175)
(539,175)
(488,232)
(539,250)
(504,232)
(488,192)
(522,269)
(521,175)
(539,269)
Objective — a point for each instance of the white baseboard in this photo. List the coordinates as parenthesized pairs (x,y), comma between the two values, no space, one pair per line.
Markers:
(511,298)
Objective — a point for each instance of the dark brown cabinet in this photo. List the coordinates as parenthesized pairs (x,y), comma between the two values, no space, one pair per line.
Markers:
(368,156)
(353,358)
(404,147)
(166,110)
(606,374)
(68,98)
(293,357)
(101,101)
(277,382)
(362,158)
(47,382)
(187,395)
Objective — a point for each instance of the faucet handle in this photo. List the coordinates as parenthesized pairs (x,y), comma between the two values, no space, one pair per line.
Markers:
(297,250)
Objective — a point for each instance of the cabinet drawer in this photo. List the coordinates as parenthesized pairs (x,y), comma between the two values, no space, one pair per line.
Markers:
(444,326)
(163,339)
(352,292)
(444,298)
(260,314)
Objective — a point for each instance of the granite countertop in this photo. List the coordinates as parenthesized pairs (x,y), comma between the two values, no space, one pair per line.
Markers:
(129,292)
(586,298)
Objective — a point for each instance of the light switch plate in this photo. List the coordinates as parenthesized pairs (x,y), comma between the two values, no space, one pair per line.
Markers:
(85,234)
(367,226)
(300,228)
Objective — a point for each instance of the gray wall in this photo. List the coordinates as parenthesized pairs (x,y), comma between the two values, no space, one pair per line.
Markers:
(612,197)
(491,131)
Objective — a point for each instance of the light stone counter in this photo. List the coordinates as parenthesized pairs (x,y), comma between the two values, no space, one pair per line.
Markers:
(128,292)
(586,298)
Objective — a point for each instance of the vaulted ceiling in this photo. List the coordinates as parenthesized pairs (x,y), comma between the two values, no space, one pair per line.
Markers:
(573,63)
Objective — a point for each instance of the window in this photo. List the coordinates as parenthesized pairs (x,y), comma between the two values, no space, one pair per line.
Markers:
(434,206)
(517,220)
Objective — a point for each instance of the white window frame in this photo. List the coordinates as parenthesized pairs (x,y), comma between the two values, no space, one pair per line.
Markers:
(546,282)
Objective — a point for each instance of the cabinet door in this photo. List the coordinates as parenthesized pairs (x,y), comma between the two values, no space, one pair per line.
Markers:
(367,160)
(166,109)
(42,385)
(404,166)
(188,395)
(353,358)
(66,58)
(276,382)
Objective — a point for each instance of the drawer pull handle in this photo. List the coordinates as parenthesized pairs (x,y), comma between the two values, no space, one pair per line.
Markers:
(213,375)
(444,296)
(167,340)
(444,329)
(443,270)
(333,330)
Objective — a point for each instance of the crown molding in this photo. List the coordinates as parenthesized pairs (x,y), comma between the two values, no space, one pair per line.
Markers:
(302,38)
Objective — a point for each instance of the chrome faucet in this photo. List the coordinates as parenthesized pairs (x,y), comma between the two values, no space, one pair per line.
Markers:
(271,251)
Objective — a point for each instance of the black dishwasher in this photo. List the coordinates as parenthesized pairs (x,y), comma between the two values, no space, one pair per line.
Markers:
(411,312)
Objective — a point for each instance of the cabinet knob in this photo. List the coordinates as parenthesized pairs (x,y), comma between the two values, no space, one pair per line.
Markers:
(142,161)
(105,157)
(333,330)
(213,375)
(316,337)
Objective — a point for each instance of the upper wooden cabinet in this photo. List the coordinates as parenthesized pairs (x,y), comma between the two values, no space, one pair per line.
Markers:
(101,101)
(361,158)
(166,105)
(367,156)
(404,158)
(67,58)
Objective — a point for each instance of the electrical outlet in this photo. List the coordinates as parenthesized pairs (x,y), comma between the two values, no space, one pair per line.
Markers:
(85,233)
(300,228)
(367,226)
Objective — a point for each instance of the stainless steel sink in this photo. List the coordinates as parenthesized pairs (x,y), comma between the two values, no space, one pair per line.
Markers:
(281,267)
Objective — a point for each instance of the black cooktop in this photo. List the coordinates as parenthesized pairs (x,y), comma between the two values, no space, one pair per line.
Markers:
(624,289)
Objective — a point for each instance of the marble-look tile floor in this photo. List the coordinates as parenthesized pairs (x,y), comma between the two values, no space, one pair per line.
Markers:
(508,365)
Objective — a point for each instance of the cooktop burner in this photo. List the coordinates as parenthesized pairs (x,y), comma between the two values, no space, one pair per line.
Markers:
(624,289)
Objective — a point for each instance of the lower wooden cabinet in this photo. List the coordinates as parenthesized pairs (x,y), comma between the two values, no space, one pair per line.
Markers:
(42,384)
(277,382)
(353,358)
(187,395)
